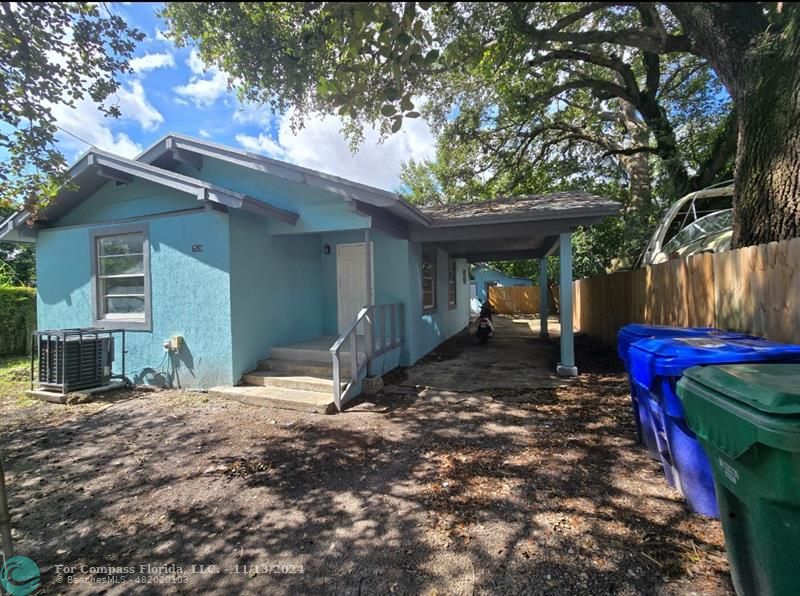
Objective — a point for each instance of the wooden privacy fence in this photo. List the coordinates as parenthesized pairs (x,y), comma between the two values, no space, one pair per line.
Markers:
(514,300)
(754,290)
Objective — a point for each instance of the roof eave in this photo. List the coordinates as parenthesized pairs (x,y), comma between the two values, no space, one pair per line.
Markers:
(348,189)
(105,163)
(592,215)
(15,229)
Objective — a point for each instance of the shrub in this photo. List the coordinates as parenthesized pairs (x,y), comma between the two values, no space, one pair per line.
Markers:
(17,319)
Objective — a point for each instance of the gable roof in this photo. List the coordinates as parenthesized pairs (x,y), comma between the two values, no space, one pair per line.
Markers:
(95,168)
(173,145)
(499,229)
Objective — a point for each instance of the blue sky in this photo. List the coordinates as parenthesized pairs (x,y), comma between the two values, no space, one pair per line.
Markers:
(172,91)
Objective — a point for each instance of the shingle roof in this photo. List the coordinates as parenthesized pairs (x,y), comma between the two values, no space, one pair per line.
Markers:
(557,204)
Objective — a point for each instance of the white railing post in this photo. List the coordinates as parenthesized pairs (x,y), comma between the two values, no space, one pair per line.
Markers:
(337,382)
(354,356)
(367,315)
(369,337)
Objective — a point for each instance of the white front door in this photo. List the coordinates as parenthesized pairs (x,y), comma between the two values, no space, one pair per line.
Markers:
(351,273)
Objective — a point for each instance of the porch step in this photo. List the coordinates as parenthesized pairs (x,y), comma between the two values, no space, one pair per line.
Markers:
(267,378)
(297,367)
(277,397)
(311,354)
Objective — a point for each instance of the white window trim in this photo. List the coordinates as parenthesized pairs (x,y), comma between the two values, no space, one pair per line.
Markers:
(121,320)
(432,307)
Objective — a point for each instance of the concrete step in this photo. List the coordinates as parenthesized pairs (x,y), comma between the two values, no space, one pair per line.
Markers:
(277,397)
(312,355)
(297,367)
(268,378)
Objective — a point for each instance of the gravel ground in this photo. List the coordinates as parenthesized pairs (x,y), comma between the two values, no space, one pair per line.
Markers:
(425,489)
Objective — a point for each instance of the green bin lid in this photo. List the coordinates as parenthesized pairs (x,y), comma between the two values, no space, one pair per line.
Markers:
(771,388)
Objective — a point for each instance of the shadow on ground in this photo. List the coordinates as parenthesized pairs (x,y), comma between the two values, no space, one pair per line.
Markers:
(448,482)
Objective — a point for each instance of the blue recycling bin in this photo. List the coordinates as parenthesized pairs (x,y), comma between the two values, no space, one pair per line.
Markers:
(630,334)
(656,366)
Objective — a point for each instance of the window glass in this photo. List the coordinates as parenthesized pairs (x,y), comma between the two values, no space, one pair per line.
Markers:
(120,277)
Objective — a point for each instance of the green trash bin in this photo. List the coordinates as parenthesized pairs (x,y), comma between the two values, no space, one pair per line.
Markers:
(747,417)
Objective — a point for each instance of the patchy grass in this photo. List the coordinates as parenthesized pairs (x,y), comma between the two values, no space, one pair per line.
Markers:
(15,380)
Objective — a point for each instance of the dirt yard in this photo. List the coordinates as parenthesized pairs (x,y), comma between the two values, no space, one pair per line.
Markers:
(458,479)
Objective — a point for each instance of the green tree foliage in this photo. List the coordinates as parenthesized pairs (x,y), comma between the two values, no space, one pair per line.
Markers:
(528,80)
(18,313)
(52,53)
(17,261)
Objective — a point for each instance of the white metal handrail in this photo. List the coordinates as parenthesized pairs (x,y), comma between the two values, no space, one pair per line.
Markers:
(378,316)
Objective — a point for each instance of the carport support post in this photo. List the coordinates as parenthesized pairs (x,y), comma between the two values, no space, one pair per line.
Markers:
(566,368)
(543,299)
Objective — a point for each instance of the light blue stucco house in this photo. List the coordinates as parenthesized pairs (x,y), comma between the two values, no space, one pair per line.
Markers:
(485,276)
(262,266)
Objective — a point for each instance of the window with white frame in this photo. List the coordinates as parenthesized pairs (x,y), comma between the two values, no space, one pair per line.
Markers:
(121,285)
(428,279)
(451,283)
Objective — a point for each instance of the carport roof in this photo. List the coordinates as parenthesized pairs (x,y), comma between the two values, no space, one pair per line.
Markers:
(570,203)
(511,228)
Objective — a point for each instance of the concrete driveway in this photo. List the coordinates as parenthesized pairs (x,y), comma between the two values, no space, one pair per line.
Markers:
(515,359)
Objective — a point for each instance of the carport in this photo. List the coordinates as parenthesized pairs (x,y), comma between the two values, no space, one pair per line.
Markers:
(517,228)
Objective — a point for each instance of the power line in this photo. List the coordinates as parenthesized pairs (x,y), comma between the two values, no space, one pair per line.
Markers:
(72,134)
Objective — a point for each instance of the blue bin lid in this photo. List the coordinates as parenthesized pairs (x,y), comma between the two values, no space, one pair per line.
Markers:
(669,357)
(635,331)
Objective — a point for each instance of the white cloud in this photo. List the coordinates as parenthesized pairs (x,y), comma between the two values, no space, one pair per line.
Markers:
(261,144)
(320,145)
(204,133)
(253,114)
(160,36)
(204,92)
(201,90)
(93,127)
(134,106)
(152,61)
(87,122)
(195,63)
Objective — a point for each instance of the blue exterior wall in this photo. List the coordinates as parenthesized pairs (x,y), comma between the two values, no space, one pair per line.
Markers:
(277,290)
(389,271)
(112,202)
(256,284)
(430,328)
(190,291)
(482,275)
(319,210)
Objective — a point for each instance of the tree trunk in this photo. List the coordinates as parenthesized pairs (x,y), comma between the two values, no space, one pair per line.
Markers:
(760,66)
(637,165)
(767,196)
(656,118)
